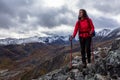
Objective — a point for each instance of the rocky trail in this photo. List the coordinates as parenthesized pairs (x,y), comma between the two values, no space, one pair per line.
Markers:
(106,67)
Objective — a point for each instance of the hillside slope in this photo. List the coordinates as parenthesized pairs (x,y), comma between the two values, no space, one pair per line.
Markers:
(106,67)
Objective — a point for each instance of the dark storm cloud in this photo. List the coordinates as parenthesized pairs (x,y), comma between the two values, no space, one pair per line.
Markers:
(105,6)
(102,22)
(46,16)
(24,16)
(52,17)
(4,8)
(10,9)
(5,21)
(111,6)
(5,18)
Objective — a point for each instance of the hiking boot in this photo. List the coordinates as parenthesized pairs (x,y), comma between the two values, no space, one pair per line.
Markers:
(84,65)
(89,65)
(89,60)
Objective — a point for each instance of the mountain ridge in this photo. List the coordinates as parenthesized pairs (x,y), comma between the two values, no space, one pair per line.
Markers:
(104,34)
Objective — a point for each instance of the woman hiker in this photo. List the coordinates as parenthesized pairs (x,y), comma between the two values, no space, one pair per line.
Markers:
(85,27)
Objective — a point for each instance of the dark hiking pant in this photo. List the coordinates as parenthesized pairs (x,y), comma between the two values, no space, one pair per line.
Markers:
(85,44)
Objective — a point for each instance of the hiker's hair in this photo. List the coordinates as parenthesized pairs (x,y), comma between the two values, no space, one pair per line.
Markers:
(84,14)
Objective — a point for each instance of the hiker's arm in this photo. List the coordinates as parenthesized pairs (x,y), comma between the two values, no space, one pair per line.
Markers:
(92,26)
(75,29)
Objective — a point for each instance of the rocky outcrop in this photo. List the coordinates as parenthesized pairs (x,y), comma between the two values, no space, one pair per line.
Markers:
(106,67)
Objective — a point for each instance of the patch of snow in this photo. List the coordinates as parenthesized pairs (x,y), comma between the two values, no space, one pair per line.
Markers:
(118,33)
(118,38)
(49,39)
(103,32)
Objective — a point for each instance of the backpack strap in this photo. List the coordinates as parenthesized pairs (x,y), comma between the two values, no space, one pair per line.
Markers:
(93,34)
(79,26)
(88,22)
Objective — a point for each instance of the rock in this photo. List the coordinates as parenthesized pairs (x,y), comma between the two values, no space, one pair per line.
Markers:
(103,53)
(76,74)
(77,58)
(113,61)
(117,69)
(114,76)
(100,77)
(115,45)
(100,67)
(68,78)
(77,63)
(58,77)
(106,67)
(113,57)
(64,70)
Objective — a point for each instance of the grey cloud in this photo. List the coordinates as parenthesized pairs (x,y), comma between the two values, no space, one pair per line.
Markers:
(9,10)
(5,18)
(13,7)
(4,8)
(110,6)
(46,17)
(105,6)
(5,21)
(50,17)
(102,22)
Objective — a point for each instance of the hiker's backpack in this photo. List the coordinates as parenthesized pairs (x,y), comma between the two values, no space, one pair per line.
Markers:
(93,34)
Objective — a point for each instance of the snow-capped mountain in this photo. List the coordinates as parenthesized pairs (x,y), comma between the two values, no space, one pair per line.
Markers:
(51,39)
(103,32)
(114,34)
(107,34)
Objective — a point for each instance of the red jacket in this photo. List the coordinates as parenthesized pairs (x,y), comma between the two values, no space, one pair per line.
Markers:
(85,28)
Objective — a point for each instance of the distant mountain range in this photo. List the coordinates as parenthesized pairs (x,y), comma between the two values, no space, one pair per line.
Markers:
(107,34)
(53,39)
(104,34)
(34,56)
(115,34)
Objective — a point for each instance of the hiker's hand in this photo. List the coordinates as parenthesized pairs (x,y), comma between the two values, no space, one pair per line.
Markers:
(70,38)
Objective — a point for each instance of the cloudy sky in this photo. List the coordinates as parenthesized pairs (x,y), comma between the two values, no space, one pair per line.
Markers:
(27,18)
